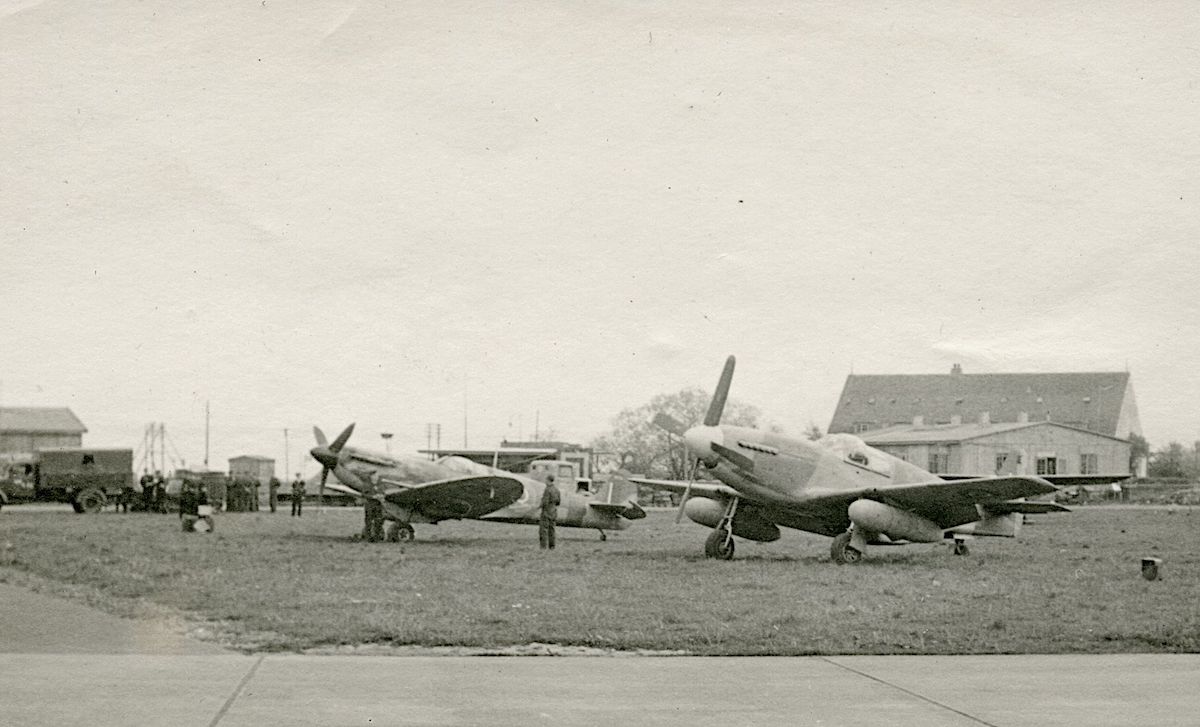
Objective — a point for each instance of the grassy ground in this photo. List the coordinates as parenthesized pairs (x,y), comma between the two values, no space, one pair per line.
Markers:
(271,582)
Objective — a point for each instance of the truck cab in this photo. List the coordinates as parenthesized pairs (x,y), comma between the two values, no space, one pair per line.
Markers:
(564,472)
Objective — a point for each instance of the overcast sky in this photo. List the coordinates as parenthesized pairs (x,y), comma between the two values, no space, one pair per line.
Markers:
(397,213)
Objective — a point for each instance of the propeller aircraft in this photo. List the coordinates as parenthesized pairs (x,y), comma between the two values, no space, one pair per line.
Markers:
(411,490)
(836,486)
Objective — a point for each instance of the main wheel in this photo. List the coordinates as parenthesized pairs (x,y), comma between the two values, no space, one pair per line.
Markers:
(842,552)
(719,545)
(404,531)
(90,500)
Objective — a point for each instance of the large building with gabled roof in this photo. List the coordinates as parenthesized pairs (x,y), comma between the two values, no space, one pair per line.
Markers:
(1097,402)
(26,429)
(981,424)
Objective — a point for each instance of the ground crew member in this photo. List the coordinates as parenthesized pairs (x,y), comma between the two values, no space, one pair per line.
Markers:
(549,514)
(273,493)
(372,520)
(297,496)
(159,498)
(126,498)
(189,506)
(147,485)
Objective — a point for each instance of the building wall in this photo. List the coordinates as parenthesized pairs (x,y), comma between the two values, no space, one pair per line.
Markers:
(978,456)
(260,469)
(26,443)
(1066,446)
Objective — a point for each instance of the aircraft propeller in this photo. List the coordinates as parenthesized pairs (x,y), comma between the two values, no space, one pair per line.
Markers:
(329,454)
(712,418)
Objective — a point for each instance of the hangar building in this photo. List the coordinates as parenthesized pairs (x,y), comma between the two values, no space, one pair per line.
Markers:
(24,430)
(252,467)
(979,424)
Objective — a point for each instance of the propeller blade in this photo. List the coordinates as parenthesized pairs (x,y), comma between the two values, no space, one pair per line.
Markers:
(341,439)
(324,476)
(717,406)
(321,440)
(665,421)
(687,492)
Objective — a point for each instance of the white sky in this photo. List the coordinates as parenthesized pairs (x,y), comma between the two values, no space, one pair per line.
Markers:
(319,213)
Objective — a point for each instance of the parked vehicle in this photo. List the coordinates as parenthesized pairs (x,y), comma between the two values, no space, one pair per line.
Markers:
(85,477)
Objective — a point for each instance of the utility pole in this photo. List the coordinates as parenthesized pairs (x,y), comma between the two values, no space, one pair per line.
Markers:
(285,453)
(387,442)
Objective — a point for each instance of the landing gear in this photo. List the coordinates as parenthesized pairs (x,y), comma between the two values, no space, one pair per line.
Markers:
(397,532)
(603,536)
(720,541)
(719,544)
(842,551)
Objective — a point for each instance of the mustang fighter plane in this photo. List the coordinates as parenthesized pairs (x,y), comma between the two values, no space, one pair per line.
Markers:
(836,486)
(419,491)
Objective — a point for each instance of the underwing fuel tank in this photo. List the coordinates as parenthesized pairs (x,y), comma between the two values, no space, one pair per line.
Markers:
(745,524)
(897,524)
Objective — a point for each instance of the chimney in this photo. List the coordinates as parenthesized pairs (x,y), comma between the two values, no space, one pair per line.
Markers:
(1023,417)
(985,418)
(956,369)
(955,420)
(918,421)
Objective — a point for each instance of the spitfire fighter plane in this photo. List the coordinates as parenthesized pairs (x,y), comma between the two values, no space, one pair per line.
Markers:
(419,491)
(836,486)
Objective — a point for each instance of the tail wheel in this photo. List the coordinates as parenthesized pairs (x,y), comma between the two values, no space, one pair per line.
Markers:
(719,545)
(90,500)
(960,548)
(842,552)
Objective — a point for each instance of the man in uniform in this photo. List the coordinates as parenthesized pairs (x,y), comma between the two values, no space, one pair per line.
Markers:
(549,514)
(273,493)
(159,499)
(147,485)
(297,496)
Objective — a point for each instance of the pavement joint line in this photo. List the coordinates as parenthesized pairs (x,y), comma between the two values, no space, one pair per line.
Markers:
(237,691)
(909,692)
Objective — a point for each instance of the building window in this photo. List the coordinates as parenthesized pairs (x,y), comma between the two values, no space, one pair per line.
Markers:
(1047,465)
(860,427)
(939,462)
(1088,464)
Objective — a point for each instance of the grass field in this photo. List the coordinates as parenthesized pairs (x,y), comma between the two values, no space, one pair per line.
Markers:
(271,582)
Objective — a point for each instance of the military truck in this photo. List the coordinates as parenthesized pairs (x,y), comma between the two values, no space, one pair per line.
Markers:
(85,477)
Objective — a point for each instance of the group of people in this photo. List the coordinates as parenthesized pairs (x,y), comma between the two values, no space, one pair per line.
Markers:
(152,498)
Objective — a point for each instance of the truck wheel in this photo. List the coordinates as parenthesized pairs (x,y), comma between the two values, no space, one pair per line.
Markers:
(90,500)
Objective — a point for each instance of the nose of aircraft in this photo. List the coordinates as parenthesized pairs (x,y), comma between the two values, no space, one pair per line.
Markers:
(699,442)
(324,455)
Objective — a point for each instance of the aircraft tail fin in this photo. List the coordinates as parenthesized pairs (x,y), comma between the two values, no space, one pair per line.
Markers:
(619,492)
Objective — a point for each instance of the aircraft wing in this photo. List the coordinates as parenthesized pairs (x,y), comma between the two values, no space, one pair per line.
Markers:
(459,497)
(1060,480)
(947,503)
(711,490)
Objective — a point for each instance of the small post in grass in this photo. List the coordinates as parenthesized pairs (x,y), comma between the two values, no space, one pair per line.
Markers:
(1152,569)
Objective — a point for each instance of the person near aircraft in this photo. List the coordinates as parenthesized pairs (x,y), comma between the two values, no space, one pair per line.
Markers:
(410,490)
(147,484)
(297,496)
(373,520)
(549,514)
(159,498)
(273,493)
(190,500)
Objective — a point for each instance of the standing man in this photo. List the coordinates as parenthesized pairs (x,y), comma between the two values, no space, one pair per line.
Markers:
(297,496)
(160,492)
(273,493)
(549,514)
(147,485)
